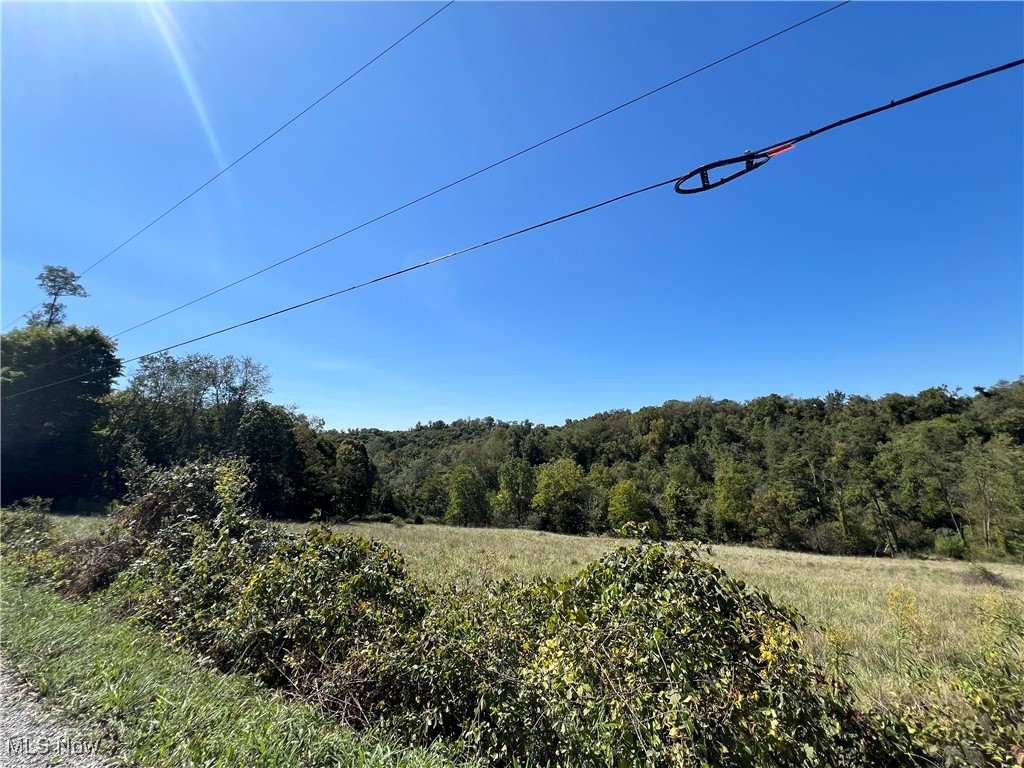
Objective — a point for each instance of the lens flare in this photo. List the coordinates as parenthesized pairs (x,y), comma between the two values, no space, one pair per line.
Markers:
(170,32)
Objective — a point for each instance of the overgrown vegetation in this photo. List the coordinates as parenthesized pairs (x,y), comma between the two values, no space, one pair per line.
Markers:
(649,656)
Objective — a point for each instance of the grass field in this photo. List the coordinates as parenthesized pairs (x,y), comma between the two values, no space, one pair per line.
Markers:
(849,602)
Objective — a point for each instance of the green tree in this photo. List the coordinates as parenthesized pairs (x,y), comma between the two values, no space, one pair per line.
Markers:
(993,490)
(314,478)
(1000,408)
(432,496)
(681,510)
(55,282)
(734,491)
(928,459)
(468,504)
(53,383)
(517,483)
(562,497)
(627,503)
(355,478)
(182,408)
(266,439)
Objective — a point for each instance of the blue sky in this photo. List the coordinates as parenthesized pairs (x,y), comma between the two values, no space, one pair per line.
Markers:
(884,256)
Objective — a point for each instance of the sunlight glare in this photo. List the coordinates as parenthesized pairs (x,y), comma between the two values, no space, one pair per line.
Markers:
(170,32)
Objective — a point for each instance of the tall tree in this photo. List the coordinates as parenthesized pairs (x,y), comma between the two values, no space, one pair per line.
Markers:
(517,482)
(993,490)
(627,504)
(928,459)
(266,439)
(55,282)
(562,497)
(467,498)
(355,478)
(734,491)
(179,408)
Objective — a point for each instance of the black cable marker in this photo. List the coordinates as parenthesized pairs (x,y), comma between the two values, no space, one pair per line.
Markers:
(751,161)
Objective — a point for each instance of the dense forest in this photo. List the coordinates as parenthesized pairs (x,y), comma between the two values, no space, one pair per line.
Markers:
(940,470)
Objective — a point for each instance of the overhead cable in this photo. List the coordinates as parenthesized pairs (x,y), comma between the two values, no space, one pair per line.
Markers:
(773,149)
(252,149)
(380,279)
(485,169)
(751,161)
(480,171)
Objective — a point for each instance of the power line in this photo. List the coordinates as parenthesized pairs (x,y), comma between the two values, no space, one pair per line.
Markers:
(357,286)
(675,180)
(751,161)
(485,169)
(248,152)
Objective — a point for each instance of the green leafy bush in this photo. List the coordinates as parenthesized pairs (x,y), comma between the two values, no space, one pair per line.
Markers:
(253,598)
(650,656)
(26,536)
(950,545)
(199,491)
(311,602)
(24,526)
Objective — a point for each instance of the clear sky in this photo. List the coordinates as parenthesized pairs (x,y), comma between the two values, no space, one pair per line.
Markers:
(884,256)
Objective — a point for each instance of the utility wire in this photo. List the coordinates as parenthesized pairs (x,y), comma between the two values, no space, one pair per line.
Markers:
(510,235)
(893,105)
(485,169)
(380,279)
(754,160)
(242,157)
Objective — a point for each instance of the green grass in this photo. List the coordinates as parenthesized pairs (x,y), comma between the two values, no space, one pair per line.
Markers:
(160,706)
(79,526)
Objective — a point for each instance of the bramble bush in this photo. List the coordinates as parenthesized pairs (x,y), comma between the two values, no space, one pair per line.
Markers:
(650,656)
(248,595)
(25,526)
(26,537)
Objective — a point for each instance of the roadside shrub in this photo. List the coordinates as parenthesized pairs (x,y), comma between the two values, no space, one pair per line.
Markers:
(26,536)
(199,491)
(186,577)
(255,599)
(24,526)
(80,567)
(650,656)
(311,602)
(950,545)
(162,503)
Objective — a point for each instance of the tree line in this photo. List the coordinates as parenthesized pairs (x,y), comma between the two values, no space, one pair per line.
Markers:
(842,474)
